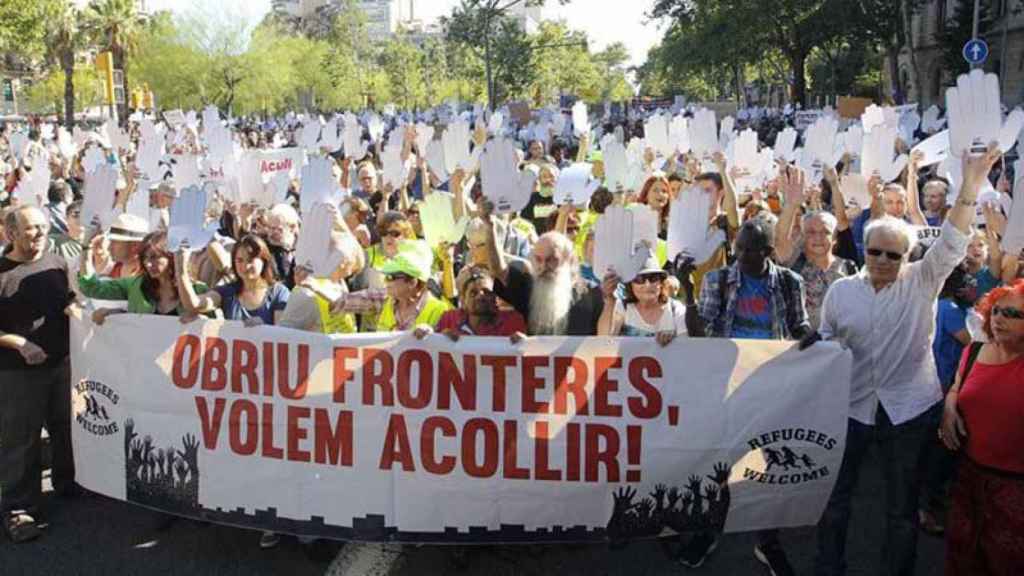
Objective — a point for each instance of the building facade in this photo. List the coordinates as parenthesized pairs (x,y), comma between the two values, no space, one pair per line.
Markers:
(1004,33)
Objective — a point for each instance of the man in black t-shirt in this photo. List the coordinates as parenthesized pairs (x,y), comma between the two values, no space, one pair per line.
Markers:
(35,388)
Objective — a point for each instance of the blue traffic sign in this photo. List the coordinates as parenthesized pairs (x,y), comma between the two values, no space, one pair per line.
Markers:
(975,51)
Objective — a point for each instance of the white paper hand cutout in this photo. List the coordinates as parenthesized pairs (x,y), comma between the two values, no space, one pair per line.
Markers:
(394,167)
(309,136)
(436,161)
(439,224)
(679,134)
(930,122)
(18,144)
(375,126)
(656,132)
(726,132)
(855,189)
(185,170)
(704,134)
(576,185)
(319,186)
(935,149)
(688,230)
(456,139)
(99,195)
(329,137)
(151,151)
(187,224)
(93,158)
(33,187)
(502,181)
(785,145)
(877,154)
(616,166)
(352,137)
(313,248)
(424,136)
(580,120)
(624,238)
(974,113)
(65,143)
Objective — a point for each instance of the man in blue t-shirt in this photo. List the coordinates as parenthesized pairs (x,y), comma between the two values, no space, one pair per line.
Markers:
(752,299)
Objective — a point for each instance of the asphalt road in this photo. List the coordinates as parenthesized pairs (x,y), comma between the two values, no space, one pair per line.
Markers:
(93,535)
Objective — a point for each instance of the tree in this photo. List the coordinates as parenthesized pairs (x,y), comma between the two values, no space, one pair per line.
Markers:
(713,33)
(484,26)
(116,25)
(23,27)
(957,31)
(63,40)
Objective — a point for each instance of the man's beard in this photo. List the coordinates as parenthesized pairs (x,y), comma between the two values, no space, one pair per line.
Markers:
(550,301)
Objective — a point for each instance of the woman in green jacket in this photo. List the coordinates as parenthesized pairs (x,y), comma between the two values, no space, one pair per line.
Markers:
(155,291)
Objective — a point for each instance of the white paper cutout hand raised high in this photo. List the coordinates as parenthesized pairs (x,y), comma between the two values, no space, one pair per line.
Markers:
(436,161)
(352,136)
(624,238)
(394,167)
(688,230)
(704,134)
(656,132)
(93,158)
(785,145)
(309,136)
(679,134)
(456,139)
(580,119)
(576,185)
(312,250)
(319,186)
(187,225)
(974,113)
(32,189)
(877,154)
(18,143)
(502,181)
(99,195)
(439,224)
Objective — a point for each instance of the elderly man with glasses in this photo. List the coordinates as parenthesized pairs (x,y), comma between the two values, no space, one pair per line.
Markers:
(886,316)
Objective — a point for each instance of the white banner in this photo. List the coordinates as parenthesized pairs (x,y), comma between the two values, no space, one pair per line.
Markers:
(383,437)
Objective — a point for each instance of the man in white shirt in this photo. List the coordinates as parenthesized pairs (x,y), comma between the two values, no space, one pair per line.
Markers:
(886,316)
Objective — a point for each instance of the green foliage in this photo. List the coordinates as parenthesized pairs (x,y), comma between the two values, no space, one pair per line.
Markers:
(46,96)
(23,26)
(958,31)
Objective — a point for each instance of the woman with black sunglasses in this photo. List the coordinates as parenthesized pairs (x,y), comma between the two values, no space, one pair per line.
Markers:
(647,309)
(982,416)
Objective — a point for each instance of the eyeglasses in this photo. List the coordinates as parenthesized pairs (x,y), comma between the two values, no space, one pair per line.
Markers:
(1007,312)
(651,278)
(894,256)
(74,214)
(394,234)
(398,276)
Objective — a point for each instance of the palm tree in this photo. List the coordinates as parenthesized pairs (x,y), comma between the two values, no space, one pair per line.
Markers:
(64,38)
(116,25)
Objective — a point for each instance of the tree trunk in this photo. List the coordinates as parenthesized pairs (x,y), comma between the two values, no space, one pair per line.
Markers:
(122,108)
(67,60)
(798,68)
(908,33)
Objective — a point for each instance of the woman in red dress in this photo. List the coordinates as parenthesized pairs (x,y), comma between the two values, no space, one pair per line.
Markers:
(984,415)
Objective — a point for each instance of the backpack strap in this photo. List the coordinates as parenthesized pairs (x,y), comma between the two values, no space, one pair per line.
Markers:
(723,279)
(972,356)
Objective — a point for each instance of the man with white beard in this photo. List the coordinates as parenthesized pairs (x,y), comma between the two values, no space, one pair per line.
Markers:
(551,296)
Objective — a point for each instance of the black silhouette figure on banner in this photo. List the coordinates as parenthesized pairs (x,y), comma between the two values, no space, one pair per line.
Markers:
(164,478)
(772,458)
(788,459)
(808,462)
(695,508)
(94,409)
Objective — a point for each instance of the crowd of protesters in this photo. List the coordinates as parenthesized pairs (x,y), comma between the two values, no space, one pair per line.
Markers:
(936,335)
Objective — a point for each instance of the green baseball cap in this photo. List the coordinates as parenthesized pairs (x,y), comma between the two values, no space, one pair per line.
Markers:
(414,259)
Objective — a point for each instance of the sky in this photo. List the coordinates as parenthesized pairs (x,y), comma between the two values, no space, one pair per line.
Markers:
(602,23)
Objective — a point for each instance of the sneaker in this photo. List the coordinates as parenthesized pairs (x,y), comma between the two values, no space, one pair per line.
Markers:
(269,539)
(697,550)
(21,527)
(774,558)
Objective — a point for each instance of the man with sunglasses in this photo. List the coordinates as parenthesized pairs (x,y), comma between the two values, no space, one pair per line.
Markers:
(752,299)
(886,316)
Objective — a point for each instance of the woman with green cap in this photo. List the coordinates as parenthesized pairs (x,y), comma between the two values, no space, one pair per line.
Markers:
(406,302)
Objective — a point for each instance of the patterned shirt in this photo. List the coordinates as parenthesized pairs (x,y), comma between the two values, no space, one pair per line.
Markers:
(789,318)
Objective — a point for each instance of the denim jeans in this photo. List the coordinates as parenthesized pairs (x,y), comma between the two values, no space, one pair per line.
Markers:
(29,400)
(900,447)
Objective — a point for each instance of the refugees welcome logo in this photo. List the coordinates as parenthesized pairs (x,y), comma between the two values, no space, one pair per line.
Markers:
(94,407)
(791,456)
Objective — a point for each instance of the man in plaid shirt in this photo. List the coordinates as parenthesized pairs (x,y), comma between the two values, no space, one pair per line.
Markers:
(751,299)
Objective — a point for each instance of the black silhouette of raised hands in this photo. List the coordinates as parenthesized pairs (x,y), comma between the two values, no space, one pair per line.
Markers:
(710,492)
(147,447)
(191,453)
(673,497)
(136,447)
(644,508)
(659,494)
(721,474)
(695,483)
(624,498)
(181,468)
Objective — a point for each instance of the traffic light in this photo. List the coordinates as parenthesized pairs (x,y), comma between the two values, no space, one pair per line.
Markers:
(105,66)
(136,98)
(147,97)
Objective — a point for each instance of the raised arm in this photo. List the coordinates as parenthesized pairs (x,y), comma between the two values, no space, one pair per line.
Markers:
(838,200)
(792,182)
(913,200)
(193,303)
(976,170)
(730,202)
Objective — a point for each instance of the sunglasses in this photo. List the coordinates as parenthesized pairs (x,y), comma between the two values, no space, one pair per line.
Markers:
(652,278)
(398,276)
(894,256)
(394,234)
(1007,312)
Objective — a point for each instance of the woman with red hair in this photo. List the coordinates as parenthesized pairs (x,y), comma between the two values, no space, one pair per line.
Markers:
(656,194)
(984,413)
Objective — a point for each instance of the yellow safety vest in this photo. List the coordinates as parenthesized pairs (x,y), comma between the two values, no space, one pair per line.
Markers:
(332,323)
(431,314)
